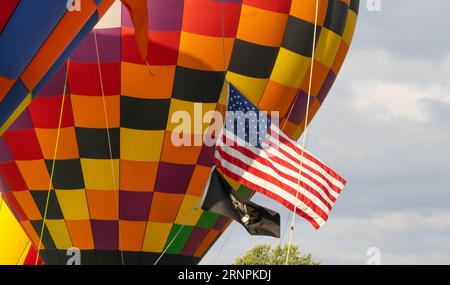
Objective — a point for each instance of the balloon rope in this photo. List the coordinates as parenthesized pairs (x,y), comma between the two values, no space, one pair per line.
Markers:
(113,173)
(23,251)
(53,162)
(230,232)
(226,107)
(290,212)
(199,206)
(285,228)
(1,202)
(176,234)
(305,130)
(224,51)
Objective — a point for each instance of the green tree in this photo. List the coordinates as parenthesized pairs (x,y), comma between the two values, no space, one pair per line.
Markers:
(264,254)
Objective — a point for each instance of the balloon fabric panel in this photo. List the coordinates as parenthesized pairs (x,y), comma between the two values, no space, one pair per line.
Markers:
(31,48)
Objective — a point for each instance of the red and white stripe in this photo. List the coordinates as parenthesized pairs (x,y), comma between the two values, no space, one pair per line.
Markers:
(274,172)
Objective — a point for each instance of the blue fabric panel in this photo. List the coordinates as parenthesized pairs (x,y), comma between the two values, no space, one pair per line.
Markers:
(65,55)
(12,100)
(26,31)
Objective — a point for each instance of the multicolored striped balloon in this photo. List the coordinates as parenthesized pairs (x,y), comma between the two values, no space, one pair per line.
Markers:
(122,192)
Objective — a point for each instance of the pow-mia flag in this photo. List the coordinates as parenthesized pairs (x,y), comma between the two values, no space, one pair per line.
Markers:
(220,198)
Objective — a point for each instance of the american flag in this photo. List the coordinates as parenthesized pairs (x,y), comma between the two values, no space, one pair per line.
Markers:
(253,151)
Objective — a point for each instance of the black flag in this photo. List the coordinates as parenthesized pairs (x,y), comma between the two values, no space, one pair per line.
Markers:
(222,199)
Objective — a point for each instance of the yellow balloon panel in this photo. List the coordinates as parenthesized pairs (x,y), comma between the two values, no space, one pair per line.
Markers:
(13,240)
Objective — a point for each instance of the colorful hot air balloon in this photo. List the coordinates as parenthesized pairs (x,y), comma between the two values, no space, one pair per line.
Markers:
(122,192)
(35,38)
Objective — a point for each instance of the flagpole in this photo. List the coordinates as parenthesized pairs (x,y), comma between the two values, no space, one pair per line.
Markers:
(305,131)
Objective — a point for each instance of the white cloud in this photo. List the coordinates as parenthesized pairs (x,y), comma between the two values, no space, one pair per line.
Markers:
(391,101)
(388,88)
(402,237)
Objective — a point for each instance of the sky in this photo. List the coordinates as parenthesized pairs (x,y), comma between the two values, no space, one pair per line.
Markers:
(385,128)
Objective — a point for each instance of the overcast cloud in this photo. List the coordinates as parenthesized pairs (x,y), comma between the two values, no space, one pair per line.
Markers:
(386,128)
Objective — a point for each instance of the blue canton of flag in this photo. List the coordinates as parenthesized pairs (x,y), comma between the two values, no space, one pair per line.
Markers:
(245,121)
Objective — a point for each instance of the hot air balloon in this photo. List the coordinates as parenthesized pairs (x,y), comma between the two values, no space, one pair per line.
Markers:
(99,133)
(35,38)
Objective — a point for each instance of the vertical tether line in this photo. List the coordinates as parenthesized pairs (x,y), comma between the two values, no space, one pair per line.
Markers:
(198,208)
(223,42)
(223,245)
(1,202)
(23,251)
(176,235)
(226,109)
(52,173)
(113,173)
(305,131)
